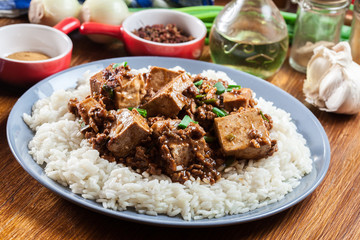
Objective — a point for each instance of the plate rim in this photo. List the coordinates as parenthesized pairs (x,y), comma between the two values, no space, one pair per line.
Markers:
(151,220)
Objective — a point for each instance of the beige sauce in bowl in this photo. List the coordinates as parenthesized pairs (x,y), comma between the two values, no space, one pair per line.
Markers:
(28,56)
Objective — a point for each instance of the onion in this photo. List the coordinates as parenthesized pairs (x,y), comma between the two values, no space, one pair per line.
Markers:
(50,12)
(111,12)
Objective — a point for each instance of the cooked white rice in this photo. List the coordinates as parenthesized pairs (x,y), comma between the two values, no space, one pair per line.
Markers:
(247,185)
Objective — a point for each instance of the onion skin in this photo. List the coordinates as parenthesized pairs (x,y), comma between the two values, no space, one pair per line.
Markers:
(111,12)
(51,12)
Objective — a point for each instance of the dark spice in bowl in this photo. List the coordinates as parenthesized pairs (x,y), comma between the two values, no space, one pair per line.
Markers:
(163,34)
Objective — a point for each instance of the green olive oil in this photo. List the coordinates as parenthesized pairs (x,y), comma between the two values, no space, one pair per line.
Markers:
(249,52)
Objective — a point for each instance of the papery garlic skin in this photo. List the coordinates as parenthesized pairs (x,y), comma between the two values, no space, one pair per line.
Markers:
(51,12)
(333,80)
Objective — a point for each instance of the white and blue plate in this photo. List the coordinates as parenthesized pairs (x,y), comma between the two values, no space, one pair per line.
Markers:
(19,135)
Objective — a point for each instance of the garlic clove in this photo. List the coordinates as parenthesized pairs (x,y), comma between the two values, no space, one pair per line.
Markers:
(351,103)
(318,68)
(330,82)
(333,92)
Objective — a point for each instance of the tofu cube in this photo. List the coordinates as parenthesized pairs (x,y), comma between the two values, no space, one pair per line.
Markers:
(244,135)
(131,93)
(158,77)
(127,133)
(169,100)
(237,98)
(96,82)
(85,106)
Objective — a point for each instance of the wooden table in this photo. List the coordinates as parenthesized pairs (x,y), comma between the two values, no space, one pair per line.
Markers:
(30,211)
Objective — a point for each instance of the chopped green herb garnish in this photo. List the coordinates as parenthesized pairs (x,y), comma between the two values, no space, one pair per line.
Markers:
(263,116)
(231,87)
(141,111)
(108,90)
(124,64)
(198,83)
(185,122)
(211,100)
(219,88)
(219,112)
(230,137)
(209,139)
(199,96)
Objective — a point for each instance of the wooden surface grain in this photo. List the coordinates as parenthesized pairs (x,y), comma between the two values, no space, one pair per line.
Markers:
(30,211)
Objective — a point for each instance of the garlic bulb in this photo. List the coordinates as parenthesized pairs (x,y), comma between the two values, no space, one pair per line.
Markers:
(332,82)
(50,12)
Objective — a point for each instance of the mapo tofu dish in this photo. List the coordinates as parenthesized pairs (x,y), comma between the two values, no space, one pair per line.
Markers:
(169,122)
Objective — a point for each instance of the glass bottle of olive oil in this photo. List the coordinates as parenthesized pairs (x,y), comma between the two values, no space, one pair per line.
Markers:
(250,35)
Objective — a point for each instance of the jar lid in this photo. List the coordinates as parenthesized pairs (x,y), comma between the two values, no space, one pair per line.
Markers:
(331,2)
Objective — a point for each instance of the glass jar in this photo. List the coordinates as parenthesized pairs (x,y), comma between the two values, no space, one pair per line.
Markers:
(355,33)
(250,35)
(318,23)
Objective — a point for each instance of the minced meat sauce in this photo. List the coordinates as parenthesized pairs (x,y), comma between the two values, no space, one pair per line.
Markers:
(168,122)
(163,34)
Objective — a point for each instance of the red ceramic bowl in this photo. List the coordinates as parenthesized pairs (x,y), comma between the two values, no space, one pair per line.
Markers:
(51,41)
(140,47)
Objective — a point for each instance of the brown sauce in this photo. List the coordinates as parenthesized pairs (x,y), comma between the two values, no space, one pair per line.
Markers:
(28,56)
(157,136)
